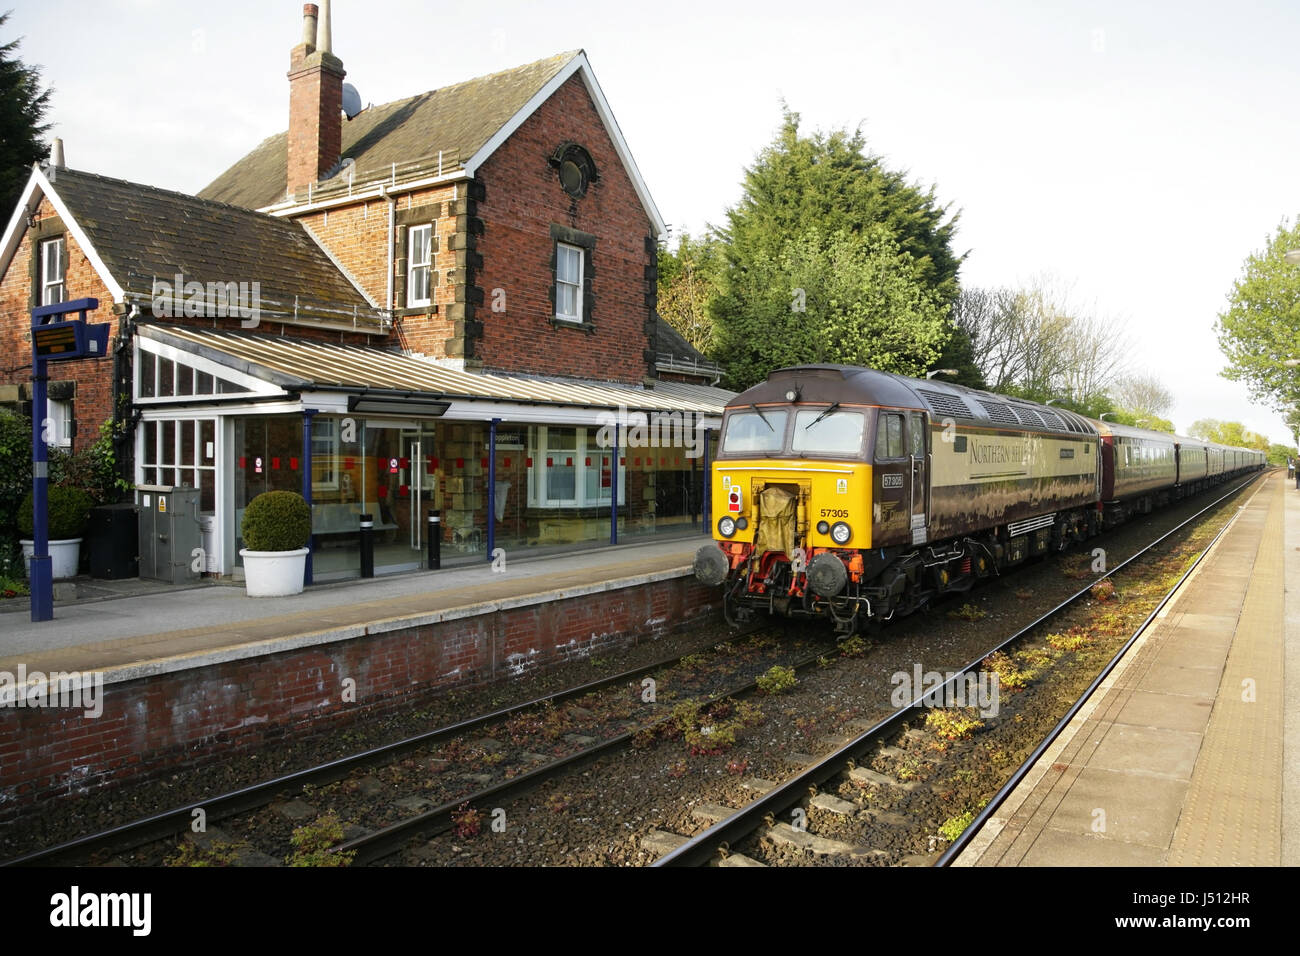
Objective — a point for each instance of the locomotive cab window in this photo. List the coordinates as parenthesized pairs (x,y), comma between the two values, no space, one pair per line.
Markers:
(748,432)
(827,431)
(889,436)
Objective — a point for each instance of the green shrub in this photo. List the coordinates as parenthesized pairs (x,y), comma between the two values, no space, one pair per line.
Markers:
(276,521)
(69,510)
(92,469)
(15,467)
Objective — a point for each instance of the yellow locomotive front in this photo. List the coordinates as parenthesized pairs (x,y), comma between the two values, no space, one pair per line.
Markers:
(792,503)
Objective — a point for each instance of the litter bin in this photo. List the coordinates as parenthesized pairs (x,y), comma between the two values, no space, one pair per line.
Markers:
(114,542)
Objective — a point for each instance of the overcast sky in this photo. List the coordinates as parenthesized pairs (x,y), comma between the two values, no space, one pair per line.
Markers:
(1136,152)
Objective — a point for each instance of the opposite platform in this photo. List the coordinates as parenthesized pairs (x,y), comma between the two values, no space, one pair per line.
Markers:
(1178,758)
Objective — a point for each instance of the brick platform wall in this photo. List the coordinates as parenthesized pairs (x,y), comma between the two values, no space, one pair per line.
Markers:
(158,725)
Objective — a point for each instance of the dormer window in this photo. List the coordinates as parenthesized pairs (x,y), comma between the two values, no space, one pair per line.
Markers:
(54,266)
(420,265)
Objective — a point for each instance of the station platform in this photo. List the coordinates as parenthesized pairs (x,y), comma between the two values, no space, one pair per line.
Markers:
(158,630)
(1187,755)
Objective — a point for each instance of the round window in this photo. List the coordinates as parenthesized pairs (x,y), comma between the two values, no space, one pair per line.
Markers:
(575,168)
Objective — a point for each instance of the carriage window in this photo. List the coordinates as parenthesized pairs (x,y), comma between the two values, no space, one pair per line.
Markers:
(839,433)
(750,432)
(889,436)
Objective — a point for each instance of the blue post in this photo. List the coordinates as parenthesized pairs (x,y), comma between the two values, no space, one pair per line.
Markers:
(307,414)
(58,340)
(613,490)
(42,572)
(492,488)
(708,487)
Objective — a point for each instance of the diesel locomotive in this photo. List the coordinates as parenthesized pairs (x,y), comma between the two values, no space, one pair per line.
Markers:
(857,495)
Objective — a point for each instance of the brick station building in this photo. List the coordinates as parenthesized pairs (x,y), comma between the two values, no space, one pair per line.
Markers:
(446,302)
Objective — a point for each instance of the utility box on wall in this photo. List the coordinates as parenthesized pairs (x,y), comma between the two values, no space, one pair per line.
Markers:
(170,534)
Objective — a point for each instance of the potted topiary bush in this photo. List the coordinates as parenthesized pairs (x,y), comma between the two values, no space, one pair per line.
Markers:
(276,530)
(69,510)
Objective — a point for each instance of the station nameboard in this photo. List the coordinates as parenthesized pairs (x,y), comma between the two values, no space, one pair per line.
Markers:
(69,340)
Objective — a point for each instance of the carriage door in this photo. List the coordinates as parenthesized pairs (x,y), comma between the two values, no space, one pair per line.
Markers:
(917,438)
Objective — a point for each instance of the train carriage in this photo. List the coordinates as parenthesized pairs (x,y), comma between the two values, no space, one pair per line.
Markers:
(1139,470)
(855,495)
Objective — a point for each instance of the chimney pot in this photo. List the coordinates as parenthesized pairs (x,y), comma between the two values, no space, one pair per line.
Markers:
(324,40)
(56,154)
(309,12)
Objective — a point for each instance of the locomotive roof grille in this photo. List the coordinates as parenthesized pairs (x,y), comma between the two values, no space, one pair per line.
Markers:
(1054,420)
(944,404)
(1027,415)
(999,413)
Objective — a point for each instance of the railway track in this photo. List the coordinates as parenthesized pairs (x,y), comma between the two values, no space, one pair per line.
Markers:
(787,798)
(179,820)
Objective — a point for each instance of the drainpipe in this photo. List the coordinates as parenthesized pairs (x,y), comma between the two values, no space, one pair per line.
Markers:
(392,218)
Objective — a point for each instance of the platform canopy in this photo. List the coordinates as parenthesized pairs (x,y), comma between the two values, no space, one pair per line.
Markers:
(333,377)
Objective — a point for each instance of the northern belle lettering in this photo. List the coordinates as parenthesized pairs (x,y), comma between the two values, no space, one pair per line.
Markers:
(999,453)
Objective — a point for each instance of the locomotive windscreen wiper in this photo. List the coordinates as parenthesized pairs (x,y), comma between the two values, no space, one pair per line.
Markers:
(821,416)
(762,416)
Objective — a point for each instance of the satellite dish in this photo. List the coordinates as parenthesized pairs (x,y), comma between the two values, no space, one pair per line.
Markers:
(351,101)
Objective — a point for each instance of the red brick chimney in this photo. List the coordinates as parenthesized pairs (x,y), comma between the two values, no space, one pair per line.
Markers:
(315,102)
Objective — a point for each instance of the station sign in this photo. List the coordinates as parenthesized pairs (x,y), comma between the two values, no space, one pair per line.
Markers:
(70,340)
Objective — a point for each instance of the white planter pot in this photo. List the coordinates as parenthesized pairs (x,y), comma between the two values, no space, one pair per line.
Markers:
(65,556)
(273,573)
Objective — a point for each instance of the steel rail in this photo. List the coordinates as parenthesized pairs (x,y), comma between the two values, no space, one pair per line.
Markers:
(701,848)
(178,820)
(386,841)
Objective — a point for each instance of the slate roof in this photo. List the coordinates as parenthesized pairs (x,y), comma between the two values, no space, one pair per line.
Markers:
(141,232)
(674,354)
(457,120)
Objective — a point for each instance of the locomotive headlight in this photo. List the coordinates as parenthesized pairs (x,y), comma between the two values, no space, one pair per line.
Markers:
(742,523)
(823,527)
(726,526)
(841,532)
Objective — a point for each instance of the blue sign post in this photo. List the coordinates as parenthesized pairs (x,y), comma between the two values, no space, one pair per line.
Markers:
(53,341)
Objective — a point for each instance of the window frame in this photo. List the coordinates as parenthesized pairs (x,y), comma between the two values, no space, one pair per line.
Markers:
(562,250)
(882,421)
(585,447)
(59,413)
(45,284)
(425,268)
